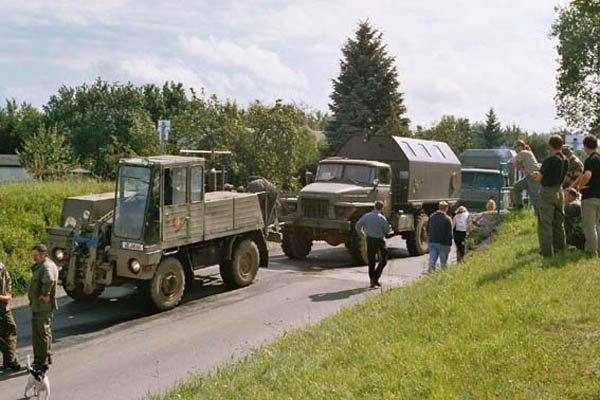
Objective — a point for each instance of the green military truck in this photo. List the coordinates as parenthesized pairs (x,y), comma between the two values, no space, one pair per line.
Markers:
(410,176)
(156,229)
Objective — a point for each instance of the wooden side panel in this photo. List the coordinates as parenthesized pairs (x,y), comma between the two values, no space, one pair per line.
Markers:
(218,216)
(197,222)
(247,212)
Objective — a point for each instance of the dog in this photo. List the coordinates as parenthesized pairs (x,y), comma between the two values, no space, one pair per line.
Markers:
(38,381)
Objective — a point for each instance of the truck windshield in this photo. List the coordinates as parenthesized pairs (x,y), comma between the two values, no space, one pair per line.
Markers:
(354,173)
(132,194)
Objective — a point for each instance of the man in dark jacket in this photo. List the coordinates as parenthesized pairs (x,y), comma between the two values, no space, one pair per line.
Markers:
(439,236)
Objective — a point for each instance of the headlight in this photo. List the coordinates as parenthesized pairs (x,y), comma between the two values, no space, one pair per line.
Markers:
(59,254)
(86,215)
(342,212)
(135,266)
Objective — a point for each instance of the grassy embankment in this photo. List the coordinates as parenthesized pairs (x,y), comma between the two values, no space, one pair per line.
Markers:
(22,208)
(505,324)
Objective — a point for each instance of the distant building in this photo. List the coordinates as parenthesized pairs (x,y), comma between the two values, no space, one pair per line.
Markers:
(11,169)
(575,141)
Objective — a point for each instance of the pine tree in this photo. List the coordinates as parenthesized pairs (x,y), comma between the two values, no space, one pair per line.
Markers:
(492,134)
(365,98)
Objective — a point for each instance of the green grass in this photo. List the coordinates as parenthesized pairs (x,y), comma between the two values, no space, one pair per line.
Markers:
(505,324)
(22,209)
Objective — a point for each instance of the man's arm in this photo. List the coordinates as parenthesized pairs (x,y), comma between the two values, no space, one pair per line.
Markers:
(46,285)
(359,224)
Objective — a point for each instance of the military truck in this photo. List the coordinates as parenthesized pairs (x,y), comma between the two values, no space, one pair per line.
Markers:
(156,229)
(410,176)
(491,159)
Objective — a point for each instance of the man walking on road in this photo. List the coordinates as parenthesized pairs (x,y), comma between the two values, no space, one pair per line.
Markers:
(589,185)
(526,161)
(8,328)
(42,301)
(439,236)
(551,215)
(376,228)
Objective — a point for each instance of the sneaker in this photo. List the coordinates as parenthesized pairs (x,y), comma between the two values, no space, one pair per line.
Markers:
(13,366)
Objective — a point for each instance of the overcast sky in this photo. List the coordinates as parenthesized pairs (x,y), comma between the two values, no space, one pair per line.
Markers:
(457,57)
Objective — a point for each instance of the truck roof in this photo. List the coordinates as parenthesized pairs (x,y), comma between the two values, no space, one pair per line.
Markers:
(344,160)
(482,170)
(164,159)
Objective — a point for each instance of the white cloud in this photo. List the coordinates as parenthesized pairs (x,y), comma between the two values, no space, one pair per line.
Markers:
(145,69)
(265,65)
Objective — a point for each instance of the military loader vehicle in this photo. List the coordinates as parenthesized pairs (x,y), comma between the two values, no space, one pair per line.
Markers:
(156,229)
(410,176)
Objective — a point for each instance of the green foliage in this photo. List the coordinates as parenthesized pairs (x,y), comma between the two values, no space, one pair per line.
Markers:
(16,123)
(457,132)
(504,324)
(22,220)
(492,133)
(577,29)
(365,96)
(45,154)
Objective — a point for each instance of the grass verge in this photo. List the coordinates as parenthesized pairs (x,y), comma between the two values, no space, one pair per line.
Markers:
(505,324)
(22,225)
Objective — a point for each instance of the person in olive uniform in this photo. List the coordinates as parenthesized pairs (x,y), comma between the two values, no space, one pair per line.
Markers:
(551,215)
(42,301)
(575,167)
(573,227)
(8,328)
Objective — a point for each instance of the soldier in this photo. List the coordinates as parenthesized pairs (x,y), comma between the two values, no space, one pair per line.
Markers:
(526,161)
(589,185)
(551,214)
(42,301)
(575,166)
(573,228)
(376,228)
(8,328)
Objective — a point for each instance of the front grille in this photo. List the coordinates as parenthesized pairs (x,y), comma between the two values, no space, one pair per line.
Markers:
(315,208)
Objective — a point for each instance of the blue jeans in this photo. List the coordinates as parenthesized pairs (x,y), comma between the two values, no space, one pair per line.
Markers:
(437,250)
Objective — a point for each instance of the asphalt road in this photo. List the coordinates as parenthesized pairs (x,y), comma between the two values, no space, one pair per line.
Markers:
(116,348)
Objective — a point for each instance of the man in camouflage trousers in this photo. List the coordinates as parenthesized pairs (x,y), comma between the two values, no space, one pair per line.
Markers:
(575,167)
(42,301)
(573,227)
(8,328)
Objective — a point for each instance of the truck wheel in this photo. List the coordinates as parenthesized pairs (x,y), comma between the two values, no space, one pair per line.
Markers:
(358,248)
(294,244)
(416,242)
(241,270)
(167,286)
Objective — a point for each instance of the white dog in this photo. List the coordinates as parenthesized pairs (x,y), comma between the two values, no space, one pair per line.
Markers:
(38,380)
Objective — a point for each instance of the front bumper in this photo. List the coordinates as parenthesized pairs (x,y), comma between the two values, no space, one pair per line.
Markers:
(318,223)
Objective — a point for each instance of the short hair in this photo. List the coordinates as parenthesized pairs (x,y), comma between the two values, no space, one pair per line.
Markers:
(40,248)
(591,142)
(379,205)
(519,143)
(443,205)
(572,192)
(555,142)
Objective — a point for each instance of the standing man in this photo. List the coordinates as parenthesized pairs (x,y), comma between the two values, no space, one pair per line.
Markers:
(575,167)
(42,301)
(573,227)
(526,161)
(589,185)
(376,228)
(8,328)
(551,214)
(439,236)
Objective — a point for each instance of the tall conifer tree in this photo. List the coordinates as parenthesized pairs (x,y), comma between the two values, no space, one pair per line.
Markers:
(492,134)
(365,98)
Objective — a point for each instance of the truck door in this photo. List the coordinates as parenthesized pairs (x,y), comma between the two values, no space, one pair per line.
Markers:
(175,206)
(196,203)
(383,188)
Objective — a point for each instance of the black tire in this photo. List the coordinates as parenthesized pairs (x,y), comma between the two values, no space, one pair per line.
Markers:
(78,294)
(358,248)
(241,270)
(295,244)
(416,242)
(167,285)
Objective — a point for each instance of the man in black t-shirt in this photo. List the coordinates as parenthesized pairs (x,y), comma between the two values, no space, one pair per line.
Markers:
(589,185)
(551,215)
